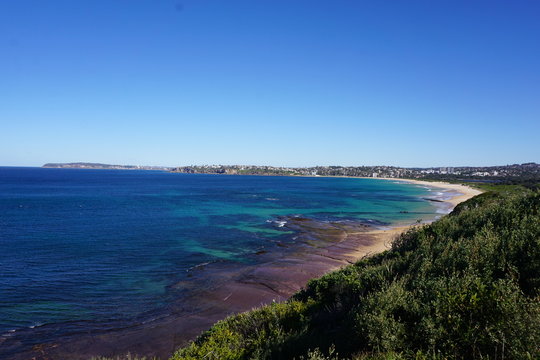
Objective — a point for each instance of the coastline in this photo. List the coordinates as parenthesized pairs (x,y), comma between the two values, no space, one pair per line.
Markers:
(321,248)
(466,192)
(384,237)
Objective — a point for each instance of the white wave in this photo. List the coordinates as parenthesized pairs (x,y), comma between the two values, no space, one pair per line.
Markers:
(8,333)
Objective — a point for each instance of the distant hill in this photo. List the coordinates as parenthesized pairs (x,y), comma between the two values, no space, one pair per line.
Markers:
(515,173)
(85,165)
(494,173)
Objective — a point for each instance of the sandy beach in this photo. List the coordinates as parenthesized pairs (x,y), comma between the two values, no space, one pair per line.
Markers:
(322,247)
(467,192)
(384,238)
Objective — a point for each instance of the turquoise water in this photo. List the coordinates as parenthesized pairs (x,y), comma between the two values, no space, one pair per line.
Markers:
(98,249)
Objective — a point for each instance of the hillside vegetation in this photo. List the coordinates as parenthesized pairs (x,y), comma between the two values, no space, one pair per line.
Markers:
(464,287)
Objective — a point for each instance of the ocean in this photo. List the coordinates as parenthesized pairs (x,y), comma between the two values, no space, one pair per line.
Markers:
(100,250)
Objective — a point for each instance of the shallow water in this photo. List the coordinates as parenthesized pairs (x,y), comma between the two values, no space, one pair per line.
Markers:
(86,250)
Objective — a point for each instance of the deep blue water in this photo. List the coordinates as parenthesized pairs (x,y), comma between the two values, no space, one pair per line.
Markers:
(101,247)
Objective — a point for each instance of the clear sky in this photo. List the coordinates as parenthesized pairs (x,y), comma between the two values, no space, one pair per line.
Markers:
(292,82)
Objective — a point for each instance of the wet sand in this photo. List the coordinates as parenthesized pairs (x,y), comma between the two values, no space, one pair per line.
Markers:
(320,248)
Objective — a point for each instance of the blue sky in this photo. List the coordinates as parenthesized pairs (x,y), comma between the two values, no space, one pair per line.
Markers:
(294,83)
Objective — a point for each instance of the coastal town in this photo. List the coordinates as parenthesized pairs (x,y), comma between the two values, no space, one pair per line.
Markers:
(526,170)
(485,173)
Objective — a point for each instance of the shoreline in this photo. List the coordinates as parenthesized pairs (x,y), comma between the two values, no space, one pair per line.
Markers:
(384,236)
(466,192)
(321,248)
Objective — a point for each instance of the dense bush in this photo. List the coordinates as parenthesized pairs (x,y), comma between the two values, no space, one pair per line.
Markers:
(464,287)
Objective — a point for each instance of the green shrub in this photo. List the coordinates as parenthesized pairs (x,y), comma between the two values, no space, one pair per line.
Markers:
(465,287)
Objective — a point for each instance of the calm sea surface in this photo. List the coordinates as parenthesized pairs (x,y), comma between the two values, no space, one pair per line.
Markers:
(100,249)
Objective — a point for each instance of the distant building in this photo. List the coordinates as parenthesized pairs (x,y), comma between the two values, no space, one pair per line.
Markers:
(375,175)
